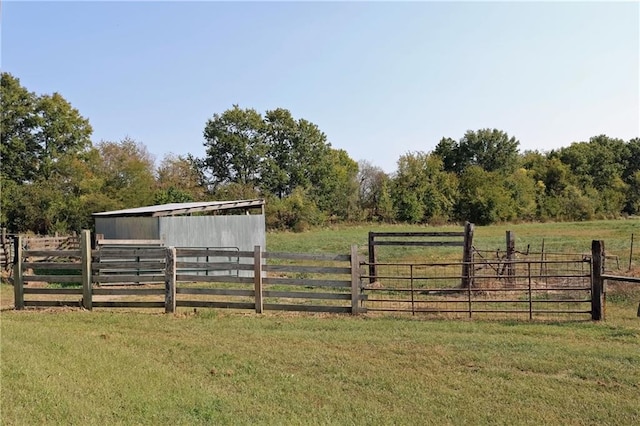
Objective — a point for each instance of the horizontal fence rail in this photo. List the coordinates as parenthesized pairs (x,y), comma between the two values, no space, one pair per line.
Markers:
(563,287)
(268,281)
(169,278)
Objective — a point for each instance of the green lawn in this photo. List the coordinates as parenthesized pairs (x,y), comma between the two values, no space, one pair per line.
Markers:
(65,366)
(74,367)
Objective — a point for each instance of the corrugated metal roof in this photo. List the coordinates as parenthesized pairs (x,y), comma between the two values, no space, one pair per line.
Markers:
(174,209)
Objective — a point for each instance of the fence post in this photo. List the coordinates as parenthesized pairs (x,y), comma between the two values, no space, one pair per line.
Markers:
(467,258)
(4,246)
(372,258)
(85,258)
(597,283)
(18,283)
(170,281)
(257,278)
(511,249)
(631,253)
(355,280)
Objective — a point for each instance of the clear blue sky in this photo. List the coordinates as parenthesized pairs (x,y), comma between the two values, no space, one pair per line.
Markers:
(380,79)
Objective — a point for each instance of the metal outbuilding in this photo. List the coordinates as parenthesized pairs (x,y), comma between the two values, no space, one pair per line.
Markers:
(233,225)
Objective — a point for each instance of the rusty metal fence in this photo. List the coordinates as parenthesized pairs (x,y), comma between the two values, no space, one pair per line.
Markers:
(521,288)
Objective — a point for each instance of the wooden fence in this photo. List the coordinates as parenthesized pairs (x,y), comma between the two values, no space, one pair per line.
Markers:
(160,277)
(7,249)
(169,278)
(462,239)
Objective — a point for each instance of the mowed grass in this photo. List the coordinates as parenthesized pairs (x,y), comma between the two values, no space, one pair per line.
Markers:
(213,367)
(66,366)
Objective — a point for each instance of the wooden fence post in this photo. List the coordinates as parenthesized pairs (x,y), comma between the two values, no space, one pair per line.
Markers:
(257,277)
(372,258)
(355,280)
(467,256)
(170,281)
(18,283)
(4,250)
(85,258)
(631,254)
(597,282)
(511,250)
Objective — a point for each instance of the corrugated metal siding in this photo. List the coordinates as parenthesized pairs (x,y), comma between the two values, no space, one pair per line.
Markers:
(241,232)
(128,228)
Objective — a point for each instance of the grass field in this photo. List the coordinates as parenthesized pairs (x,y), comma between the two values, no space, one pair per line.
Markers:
(572,237)
(66,366)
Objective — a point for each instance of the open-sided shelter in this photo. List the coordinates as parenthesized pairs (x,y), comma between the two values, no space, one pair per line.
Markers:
(233,225)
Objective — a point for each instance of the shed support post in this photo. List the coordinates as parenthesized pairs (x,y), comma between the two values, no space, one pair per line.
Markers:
(85,258)
(170,281)
(18,283)
(257,278)
(597,282)
(467,256)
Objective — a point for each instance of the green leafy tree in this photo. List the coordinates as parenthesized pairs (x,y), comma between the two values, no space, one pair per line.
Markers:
(631,176)
(483,197)
(127,170)
(374,199)
(234,141)
(45,172)
(334,185)
(36,131)
(491,149)
(178,180)
(599,164)
(423,190)
(275,155)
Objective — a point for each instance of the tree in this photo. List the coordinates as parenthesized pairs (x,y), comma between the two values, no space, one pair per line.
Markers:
(491,149)
(234,141)
(276,155)
(178,180)
(45,173)
(599,164)
(127,170)
(422,189)
(483,198)
(297,154)
(36,131)
(334,185)
(374,200)
(631,177)
(449,151)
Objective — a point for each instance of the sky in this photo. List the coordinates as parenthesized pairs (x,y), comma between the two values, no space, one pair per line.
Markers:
(380,79)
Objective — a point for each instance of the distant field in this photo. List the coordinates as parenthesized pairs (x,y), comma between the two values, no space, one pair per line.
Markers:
(568,237)
(65,366)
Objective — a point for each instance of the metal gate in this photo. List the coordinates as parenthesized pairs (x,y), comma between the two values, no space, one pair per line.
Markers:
(528,288)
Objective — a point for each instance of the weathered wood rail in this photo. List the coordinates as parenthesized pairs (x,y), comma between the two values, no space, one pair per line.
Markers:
(462,239)
(169,278)
(161,277)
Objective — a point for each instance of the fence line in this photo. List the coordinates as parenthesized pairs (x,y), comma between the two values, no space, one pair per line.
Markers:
(108,272)
(167,277)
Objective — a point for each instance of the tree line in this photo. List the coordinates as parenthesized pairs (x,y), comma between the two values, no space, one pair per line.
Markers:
(53,177)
